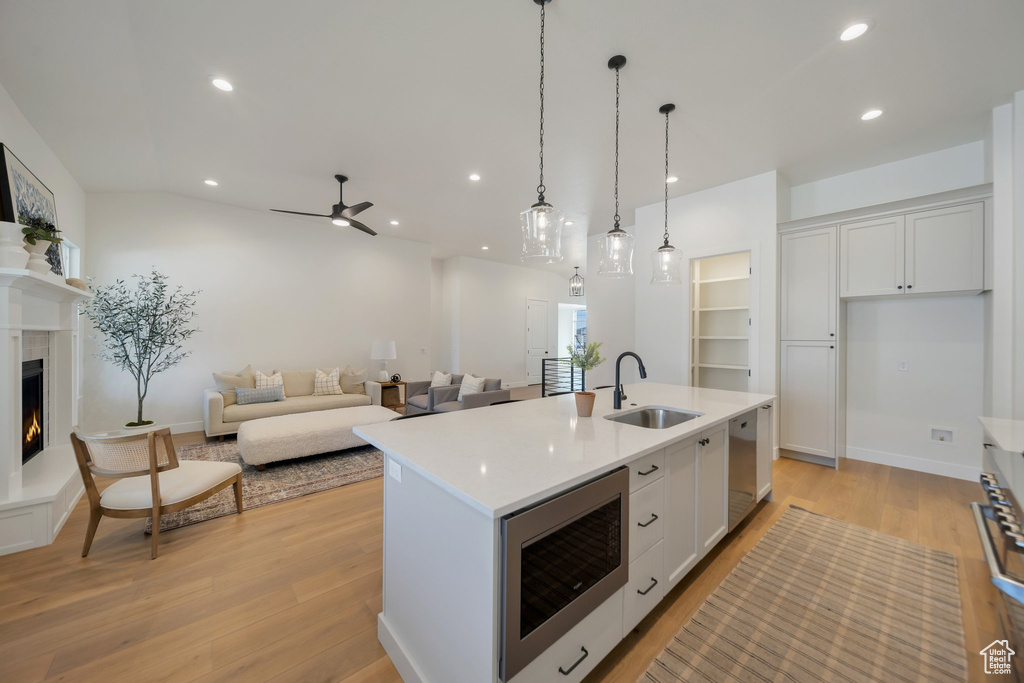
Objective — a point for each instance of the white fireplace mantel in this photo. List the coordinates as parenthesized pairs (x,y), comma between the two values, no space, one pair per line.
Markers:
(36,499)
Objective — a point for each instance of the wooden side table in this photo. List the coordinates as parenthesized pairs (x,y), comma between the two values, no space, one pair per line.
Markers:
(392,395)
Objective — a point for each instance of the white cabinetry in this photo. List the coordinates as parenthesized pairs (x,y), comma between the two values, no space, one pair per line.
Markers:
(681,496)
(764,451)
(808,284)
(807,401)
(713,473)
(925,252)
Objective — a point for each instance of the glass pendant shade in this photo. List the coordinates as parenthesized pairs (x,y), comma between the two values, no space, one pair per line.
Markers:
(576,284)
(666,266)
(542,234)
(616,254)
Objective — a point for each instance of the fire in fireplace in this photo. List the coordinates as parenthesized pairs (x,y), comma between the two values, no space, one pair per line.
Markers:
(32,406)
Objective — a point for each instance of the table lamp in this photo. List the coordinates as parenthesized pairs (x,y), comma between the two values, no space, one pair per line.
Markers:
(383,351)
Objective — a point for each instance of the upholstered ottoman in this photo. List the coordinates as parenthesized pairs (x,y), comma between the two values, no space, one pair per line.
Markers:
(284,437)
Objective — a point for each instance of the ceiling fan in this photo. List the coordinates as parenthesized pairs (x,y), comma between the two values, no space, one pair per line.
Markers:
(340,214)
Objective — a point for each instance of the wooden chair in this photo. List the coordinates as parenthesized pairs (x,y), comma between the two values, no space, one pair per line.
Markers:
(169,485)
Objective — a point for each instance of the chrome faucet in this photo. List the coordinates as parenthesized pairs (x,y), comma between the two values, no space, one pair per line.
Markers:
(620,392)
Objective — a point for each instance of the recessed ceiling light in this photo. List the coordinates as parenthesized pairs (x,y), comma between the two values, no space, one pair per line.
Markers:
(870,114)
(570,223)
(485,248)
(221,84)
(671,179)
(211,182)
(394,222)
(854,31)
(474,177)
(340,222)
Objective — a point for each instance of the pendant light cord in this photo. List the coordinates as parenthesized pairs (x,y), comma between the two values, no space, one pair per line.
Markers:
(540,188)
(616,149)
(666,178)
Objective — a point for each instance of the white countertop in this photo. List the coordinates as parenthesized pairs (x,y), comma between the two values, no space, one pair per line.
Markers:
(1008,434)
(502,458)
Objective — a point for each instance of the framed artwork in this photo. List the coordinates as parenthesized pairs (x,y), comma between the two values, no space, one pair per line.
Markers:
(22,193)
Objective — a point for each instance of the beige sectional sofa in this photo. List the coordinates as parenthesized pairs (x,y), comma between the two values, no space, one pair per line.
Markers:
(222,415)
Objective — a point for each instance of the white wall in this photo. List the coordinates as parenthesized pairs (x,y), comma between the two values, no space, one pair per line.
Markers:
(1018,250)
(890,413)
(611,317)
(21,138)
(999,311)
(437,348)
(947,169)
(485,315)
(277,292)
(738,216)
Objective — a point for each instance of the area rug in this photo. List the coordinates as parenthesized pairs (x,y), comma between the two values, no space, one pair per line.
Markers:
(280,481)
(822,600)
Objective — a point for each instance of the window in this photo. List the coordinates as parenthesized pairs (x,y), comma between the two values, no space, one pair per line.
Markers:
(579,329)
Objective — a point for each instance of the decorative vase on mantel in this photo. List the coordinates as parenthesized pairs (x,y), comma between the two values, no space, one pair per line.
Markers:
(12,246)
(585,403)
(37,262)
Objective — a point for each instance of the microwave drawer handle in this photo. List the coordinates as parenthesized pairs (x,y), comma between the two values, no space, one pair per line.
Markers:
(652,520)
(654,468)
(1007,584)
(565,672)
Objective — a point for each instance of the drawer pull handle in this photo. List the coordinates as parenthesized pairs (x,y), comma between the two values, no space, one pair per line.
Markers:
(654,468)
(566,673)
(652,520)
(654,582)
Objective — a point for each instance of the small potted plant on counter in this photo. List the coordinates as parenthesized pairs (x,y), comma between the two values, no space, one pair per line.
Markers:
(39,236)
(585,359)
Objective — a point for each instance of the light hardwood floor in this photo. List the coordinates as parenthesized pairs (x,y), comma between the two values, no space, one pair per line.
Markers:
(290,592)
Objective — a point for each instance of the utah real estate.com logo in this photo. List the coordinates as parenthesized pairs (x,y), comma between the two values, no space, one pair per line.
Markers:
(997,657)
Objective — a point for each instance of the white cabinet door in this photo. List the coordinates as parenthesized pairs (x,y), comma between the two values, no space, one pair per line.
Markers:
(807,422)
(713,473)
(764,450)
(871,257)
(946,249)
(681,496)
(809,278)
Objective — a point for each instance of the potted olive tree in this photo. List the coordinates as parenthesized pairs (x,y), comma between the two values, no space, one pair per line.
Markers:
(585,359)
(142,330)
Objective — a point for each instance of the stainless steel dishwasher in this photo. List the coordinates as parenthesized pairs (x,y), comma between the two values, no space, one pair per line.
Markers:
(742,466)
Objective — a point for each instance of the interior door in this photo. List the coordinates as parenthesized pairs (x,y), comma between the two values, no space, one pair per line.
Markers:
(713,471)
(871,257)
(536,338)
(810,264)
(807,423)
(946,249)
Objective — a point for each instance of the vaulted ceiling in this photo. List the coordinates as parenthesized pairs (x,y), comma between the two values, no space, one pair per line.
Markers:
(409,98)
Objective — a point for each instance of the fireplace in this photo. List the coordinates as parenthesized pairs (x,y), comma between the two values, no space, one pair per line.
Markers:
(32,406)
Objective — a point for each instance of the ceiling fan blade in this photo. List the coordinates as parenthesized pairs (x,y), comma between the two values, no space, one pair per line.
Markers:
(302,213)
(351,211)
(359,226)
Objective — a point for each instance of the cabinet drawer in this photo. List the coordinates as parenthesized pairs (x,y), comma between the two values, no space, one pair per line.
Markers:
(646,587)
(593,637)
(646,513)
(646,469)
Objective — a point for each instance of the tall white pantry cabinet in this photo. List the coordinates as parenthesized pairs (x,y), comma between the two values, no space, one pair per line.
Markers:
(932,246)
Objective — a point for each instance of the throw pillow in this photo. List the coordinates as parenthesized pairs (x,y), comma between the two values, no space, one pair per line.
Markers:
(441,379)
(352,380)
(260,394)
(471,385)
(228,381)
(263,381)
(327,384)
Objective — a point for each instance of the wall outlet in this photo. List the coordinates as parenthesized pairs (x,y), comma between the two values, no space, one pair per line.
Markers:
(395,471)
(903,366)
(942,435)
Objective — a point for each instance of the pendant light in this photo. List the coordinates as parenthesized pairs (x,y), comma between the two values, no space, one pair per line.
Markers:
(542,223)
(666,259)
(617,246)
(576,284)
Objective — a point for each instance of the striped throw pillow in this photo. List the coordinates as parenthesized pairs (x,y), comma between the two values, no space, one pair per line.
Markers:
(260,394)
(264,381)
(327,384)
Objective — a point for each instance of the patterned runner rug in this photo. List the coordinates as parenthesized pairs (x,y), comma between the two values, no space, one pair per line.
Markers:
(280,481)
(822,600)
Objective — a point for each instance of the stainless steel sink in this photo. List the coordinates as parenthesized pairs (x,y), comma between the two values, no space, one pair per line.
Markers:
(654,417)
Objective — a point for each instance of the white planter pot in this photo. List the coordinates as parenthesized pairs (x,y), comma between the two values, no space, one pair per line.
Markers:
(37,258)
(12,246)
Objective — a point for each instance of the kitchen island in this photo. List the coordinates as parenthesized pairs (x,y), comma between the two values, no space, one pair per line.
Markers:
(451,478)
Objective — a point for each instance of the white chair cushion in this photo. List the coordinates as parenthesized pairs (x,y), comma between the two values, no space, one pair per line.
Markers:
(189,478)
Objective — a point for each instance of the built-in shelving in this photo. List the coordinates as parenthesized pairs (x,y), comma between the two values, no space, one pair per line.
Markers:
(724,279)
(720,326)
(723,366)
(724,308)
(720,337)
